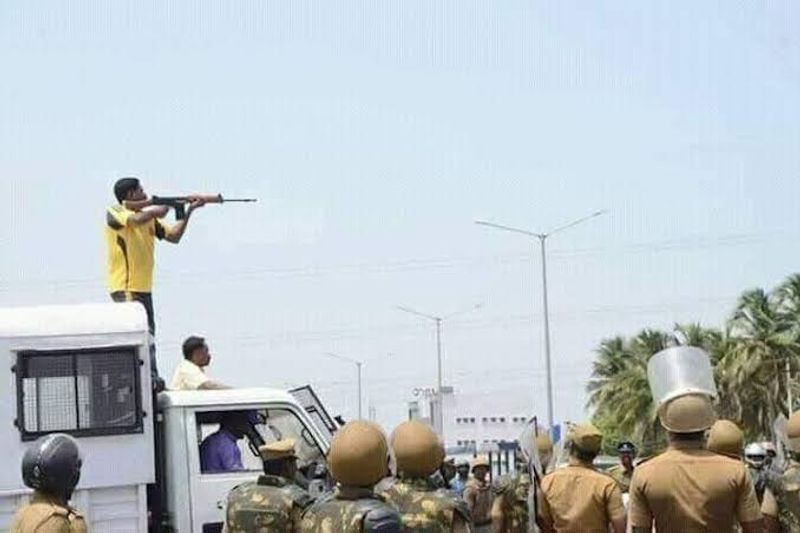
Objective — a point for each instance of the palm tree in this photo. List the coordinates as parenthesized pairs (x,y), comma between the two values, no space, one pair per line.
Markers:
(619,392)
(753,368)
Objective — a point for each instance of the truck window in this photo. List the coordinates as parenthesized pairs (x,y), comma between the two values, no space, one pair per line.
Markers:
(83,392)
(272,425)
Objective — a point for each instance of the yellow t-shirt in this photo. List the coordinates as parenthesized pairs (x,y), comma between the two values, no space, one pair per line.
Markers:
(130,250)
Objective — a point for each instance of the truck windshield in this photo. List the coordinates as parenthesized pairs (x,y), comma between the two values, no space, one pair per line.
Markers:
(279,424)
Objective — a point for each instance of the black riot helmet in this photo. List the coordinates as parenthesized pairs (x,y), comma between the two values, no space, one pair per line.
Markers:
(52,465)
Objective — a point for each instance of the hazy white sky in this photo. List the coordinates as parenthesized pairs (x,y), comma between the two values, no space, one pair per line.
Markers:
(374,133)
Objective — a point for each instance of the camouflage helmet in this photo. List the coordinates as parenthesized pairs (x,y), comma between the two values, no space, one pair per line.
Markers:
(725,438)
(417,450)
(687,414)
(793,431)
(358,454)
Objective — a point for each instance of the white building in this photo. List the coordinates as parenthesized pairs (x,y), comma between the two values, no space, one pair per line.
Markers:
(474,422)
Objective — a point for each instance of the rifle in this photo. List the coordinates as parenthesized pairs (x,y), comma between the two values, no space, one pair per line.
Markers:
(178,203)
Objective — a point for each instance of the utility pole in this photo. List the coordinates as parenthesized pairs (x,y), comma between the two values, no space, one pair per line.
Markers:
(437,320)
(358,364)
(542,238)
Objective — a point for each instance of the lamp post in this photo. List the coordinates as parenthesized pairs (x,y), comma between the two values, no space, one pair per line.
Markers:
(542,238)
(437,320)
(358,364)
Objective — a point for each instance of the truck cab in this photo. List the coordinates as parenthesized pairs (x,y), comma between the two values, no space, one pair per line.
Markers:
(85,370)
(191,417)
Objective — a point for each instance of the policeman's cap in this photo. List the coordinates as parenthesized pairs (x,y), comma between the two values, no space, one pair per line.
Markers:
(586,437)
(626,447)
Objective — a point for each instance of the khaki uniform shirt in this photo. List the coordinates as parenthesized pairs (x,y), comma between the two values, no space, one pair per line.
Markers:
(689,489)
(580,499)
(44,515)
(621,476)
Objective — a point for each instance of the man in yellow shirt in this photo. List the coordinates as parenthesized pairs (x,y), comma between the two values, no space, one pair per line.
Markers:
(130,240)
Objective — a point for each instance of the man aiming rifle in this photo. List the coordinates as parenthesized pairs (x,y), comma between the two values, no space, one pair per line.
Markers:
(132,225)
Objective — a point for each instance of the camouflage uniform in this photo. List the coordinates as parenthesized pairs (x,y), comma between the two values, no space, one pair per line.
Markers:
(45,515)
(788,498)
(351,510)
(510,508)
(427,509)
(271,504)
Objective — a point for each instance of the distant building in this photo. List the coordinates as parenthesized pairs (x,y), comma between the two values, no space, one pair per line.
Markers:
(474,422)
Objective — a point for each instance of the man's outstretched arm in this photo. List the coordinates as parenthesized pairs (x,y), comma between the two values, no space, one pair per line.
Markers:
(175,233)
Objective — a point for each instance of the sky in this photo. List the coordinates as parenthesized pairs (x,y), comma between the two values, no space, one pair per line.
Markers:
(374,134)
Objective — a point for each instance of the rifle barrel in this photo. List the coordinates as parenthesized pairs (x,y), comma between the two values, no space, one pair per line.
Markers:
(239,199)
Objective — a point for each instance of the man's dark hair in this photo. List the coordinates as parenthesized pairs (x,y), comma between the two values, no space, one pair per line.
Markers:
(696,436)
(191,344)
(123,186)
(583,455)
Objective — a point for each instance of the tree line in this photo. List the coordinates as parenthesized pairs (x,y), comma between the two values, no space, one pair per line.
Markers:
(750,355)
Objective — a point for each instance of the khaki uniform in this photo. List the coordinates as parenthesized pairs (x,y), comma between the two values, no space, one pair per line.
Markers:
(479,497)
(271,504)
(689,489)
(351,510)
(510,508)
(580,499)
(44,515)
(621,476)
(427,509)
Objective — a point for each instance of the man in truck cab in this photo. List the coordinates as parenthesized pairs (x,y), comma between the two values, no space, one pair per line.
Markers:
(274,501)
(219,452)
(52,468)
(190,373)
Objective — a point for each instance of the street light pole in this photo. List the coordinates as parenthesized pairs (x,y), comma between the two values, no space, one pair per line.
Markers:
(542,237)
(547,360)
(438,416)
(358,364)
(439,354)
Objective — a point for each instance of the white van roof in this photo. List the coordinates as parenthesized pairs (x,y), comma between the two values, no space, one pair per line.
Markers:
(72,320)
(227,397)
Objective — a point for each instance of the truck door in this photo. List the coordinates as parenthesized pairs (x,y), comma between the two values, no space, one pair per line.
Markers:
(209,489)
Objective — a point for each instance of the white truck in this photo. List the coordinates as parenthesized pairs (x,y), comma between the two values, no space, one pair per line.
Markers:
(85,370)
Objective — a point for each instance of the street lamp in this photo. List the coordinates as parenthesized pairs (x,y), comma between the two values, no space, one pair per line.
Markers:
(542,237)
(438,321)
(358,364)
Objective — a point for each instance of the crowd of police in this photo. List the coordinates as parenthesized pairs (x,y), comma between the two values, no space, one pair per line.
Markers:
(706,480)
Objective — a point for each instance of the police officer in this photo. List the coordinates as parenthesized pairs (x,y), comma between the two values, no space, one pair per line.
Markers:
(273,502)
(357,461)
(755,456)
(725,438)
(578,497)
(623,472)
(688,488)
(423,507)
(479,494)
(52,468)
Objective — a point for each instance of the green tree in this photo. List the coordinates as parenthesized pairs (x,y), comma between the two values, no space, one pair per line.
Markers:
(749,356)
